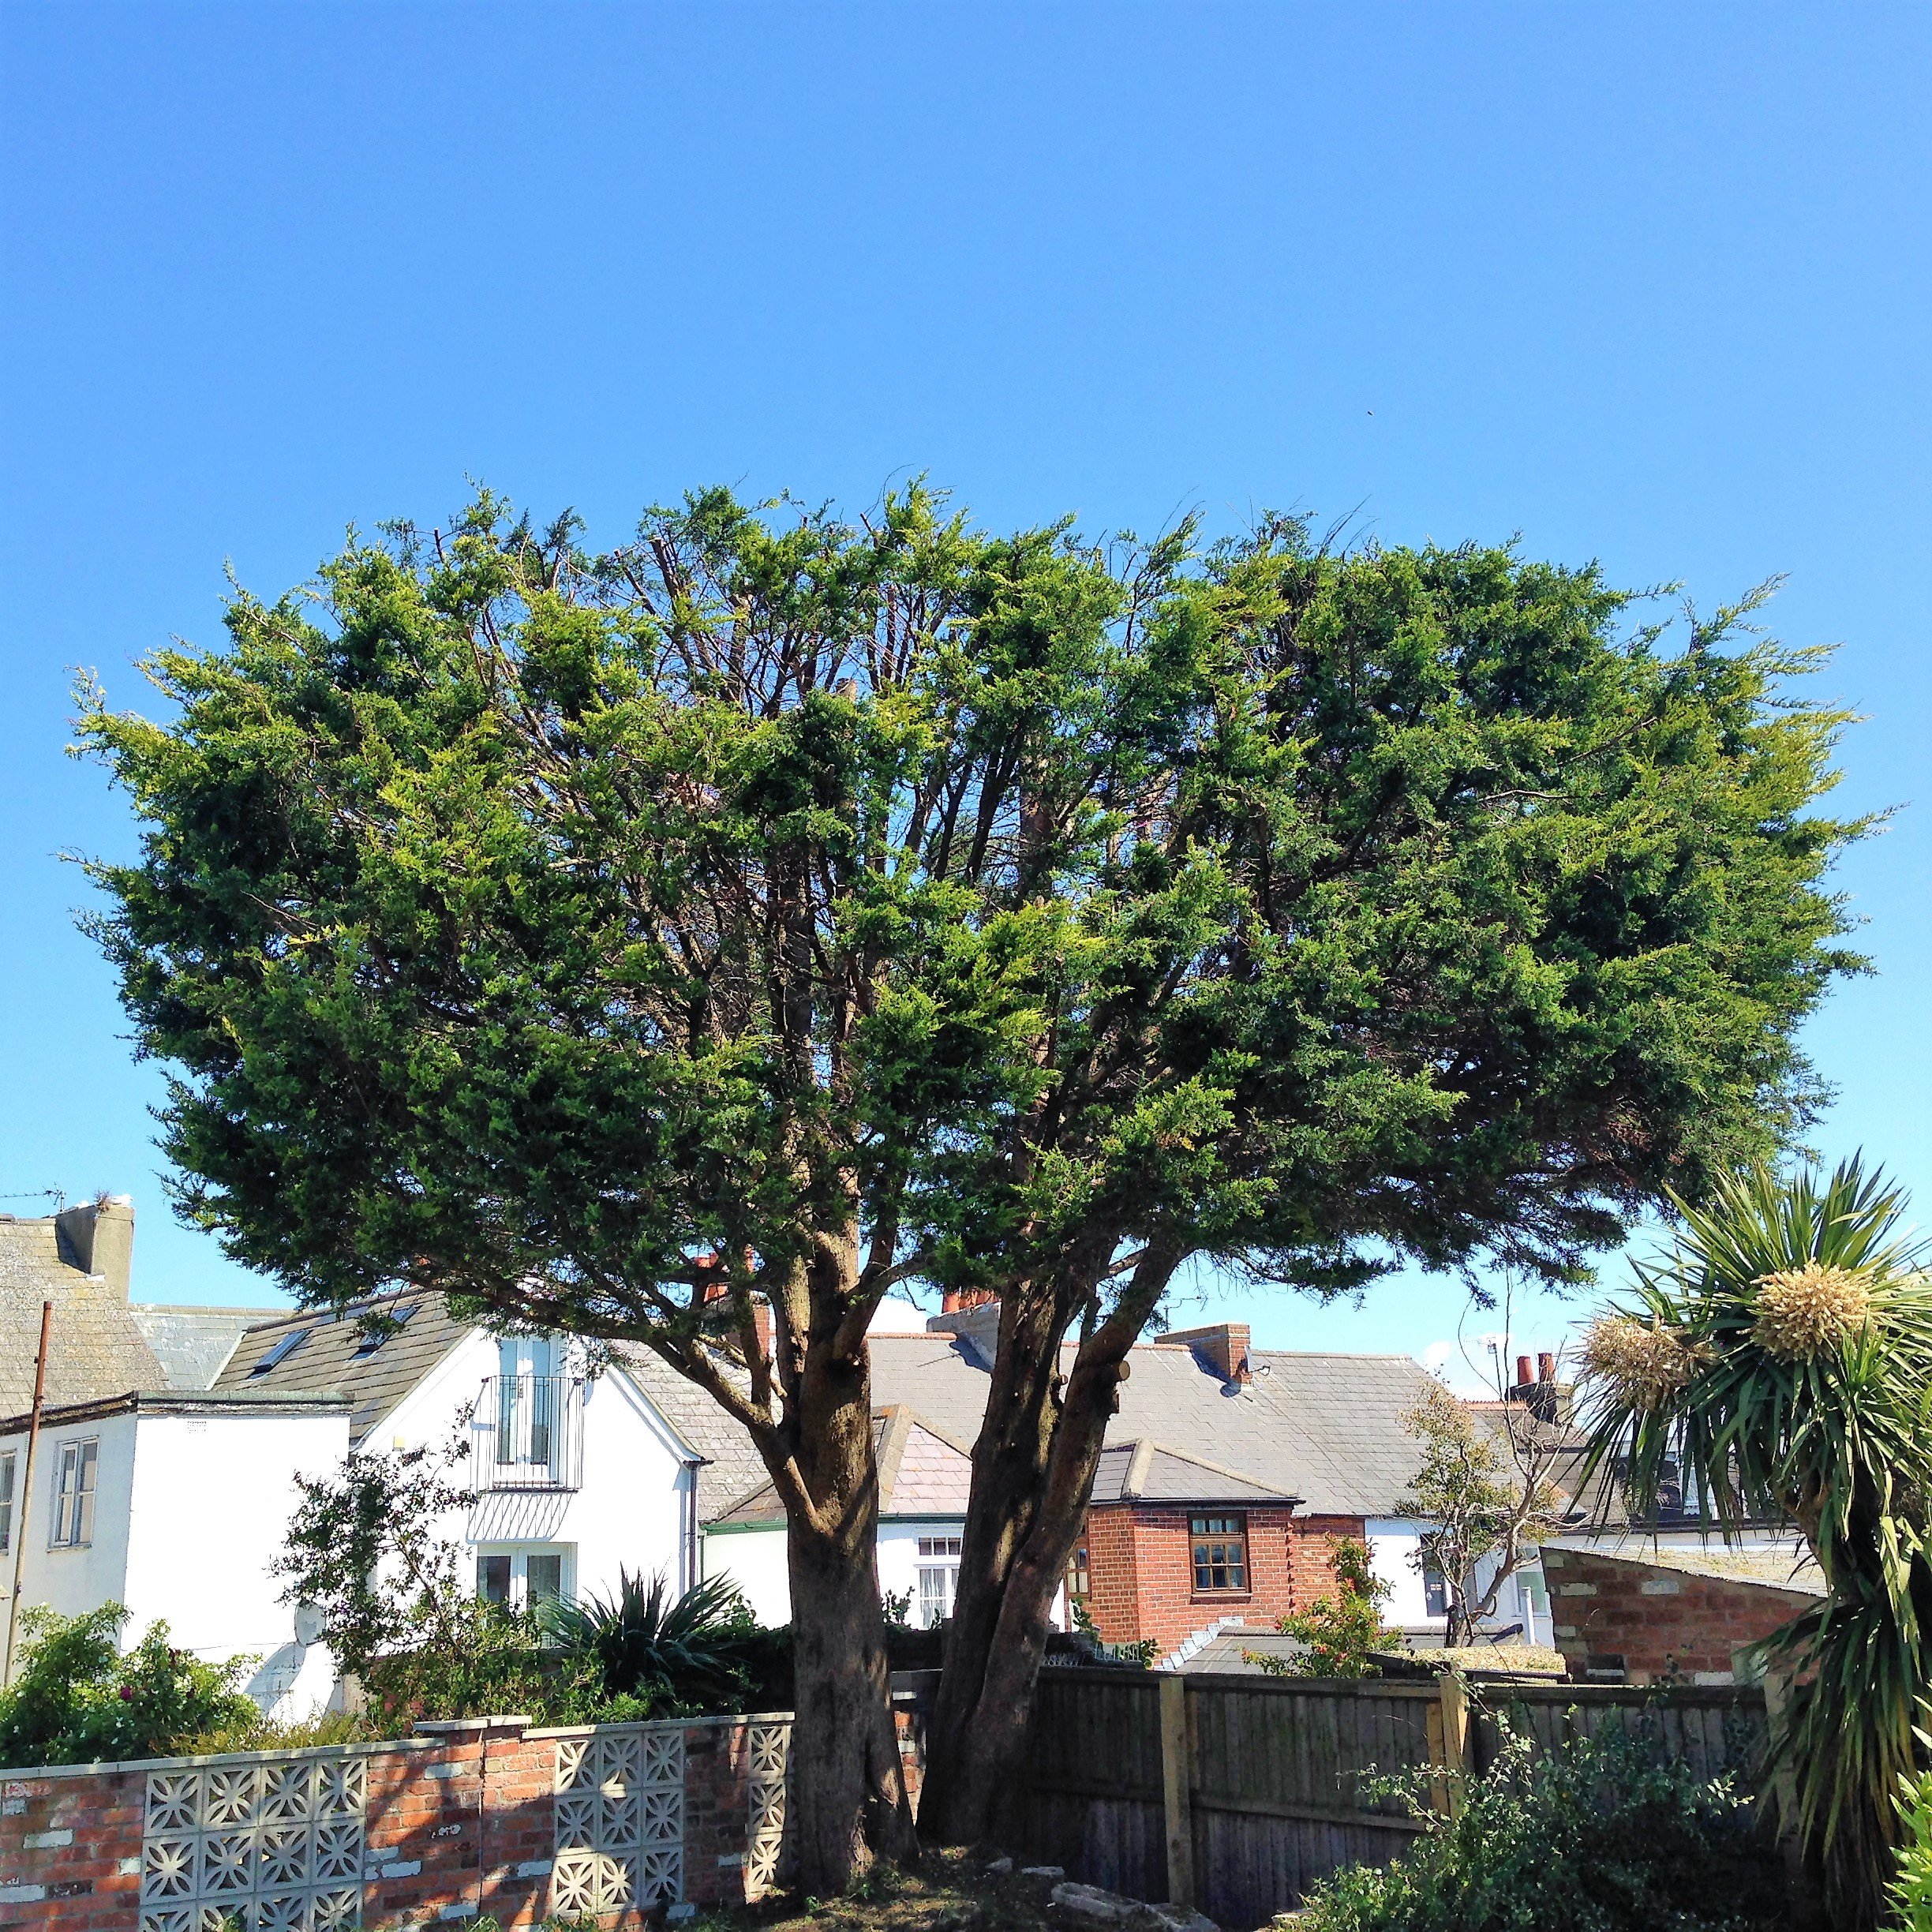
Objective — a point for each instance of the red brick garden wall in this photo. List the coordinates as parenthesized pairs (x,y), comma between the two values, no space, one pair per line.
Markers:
(1661,1621)
(457,1821)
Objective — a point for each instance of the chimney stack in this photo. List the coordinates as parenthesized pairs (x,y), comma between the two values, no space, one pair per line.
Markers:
(98,1238)
(957,1300)
(1546,1398)
(1223,1347)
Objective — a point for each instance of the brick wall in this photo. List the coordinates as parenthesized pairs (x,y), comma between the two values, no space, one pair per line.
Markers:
(1141,1569)
(458,1820)
(1660,1622)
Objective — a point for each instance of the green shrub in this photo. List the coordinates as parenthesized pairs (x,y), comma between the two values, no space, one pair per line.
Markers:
(1342,1632)
(1911,1886)
(483,1660)
(77,1699)
(676,1656)
(1605,1834)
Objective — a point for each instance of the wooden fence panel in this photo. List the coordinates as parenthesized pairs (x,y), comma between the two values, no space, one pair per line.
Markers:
(1275,1769)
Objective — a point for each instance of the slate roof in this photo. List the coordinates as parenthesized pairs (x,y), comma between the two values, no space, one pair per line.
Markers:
(329,1359)
(96,1347)
(1146,1471)
(920,1473)
(1325,1428)
(194,1344)
(731,1466)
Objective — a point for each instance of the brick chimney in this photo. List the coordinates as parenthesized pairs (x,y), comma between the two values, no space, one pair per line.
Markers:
(1546,1399)
(98,1238)
(956,1300)
(1223,1347)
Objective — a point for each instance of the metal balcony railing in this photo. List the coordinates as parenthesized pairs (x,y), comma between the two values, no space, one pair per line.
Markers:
(527,1433)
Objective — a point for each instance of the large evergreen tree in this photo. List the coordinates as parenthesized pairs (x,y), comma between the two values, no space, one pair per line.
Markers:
(777,909)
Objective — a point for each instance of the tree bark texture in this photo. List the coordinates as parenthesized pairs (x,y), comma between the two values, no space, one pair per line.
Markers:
(1033,1469)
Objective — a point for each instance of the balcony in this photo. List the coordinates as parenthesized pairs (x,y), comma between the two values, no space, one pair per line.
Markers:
(527,1433)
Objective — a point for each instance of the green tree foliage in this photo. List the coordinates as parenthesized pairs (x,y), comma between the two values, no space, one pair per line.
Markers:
(1783,1351)
(775,908)
(1460,919)
(1342,1632)
(1608,1833)
(77,1699)
(370,1547)
(1484,1491)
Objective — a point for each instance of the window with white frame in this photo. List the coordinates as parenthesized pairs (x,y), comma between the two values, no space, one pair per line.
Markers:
(938,1579)
(74,1476)
(6,1502)
(522,1577)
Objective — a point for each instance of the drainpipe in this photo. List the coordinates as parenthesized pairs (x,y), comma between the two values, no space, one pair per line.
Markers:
(26,1491)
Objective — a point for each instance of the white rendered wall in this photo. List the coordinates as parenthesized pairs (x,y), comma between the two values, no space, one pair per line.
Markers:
(899,1557)
(208,1519)
(1393,1542)
(631,1512)
(72,1580)
(755,1560)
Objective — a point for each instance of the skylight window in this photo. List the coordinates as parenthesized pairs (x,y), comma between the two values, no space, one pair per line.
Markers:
(373,1338)
(280,1350)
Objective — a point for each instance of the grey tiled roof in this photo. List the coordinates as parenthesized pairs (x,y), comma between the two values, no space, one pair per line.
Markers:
(328,1361)
(95,1350)
(194,1344)
(1146,1471)
(920,1473)
(1326,1428)
(731,1466)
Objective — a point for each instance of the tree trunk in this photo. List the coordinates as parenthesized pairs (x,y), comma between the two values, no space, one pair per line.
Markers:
(1033,1467)
(847,1791)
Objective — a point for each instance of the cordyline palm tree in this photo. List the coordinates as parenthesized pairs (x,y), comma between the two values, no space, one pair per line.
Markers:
(1783,1352)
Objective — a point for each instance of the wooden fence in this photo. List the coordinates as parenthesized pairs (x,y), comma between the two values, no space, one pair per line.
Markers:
(1235,1794)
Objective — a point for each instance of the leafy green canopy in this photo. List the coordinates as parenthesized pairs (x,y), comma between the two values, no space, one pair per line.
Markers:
(779,906)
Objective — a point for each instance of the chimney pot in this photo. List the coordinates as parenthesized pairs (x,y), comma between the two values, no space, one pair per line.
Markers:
(1523,1375)
(1546,1367)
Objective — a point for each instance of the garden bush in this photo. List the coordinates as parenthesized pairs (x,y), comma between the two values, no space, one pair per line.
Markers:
(77,1699)
(1605,1834)
(676,1656)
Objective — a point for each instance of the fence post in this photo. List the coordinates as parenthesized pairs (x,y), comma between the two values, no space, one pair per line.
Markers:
(1177,1774)
(1450,1742)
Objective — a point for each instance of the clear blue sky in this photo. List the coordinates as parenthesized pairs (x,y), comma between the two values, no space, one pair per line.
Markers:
(1648,284)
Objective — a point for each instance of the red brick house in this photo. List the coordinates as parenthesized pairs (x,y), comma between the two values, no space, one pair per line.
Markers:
(1227,1475)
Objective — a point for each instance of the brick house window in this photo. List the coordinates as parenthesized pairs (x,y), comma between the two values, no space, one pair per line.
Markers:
(1220,1553)
(73,1495)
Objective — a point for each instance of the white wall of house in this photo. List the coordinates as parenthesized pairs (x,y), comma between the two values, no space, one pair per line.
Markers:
(74,1579)
(1394,1543)
(632,1510)
(189,1515)
(209,1506)
(755,1559)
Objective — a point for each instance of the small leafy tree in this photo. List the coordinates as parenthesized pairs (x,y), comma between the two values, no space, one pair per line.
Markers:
(1485,1490)
(1342,1632)
(369,1547)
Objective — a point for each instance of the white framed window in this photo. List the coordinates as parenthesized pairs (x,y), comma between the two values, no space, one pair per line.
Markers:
(75,1474)
(522,1576)
(938,1579)
(6,1502)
